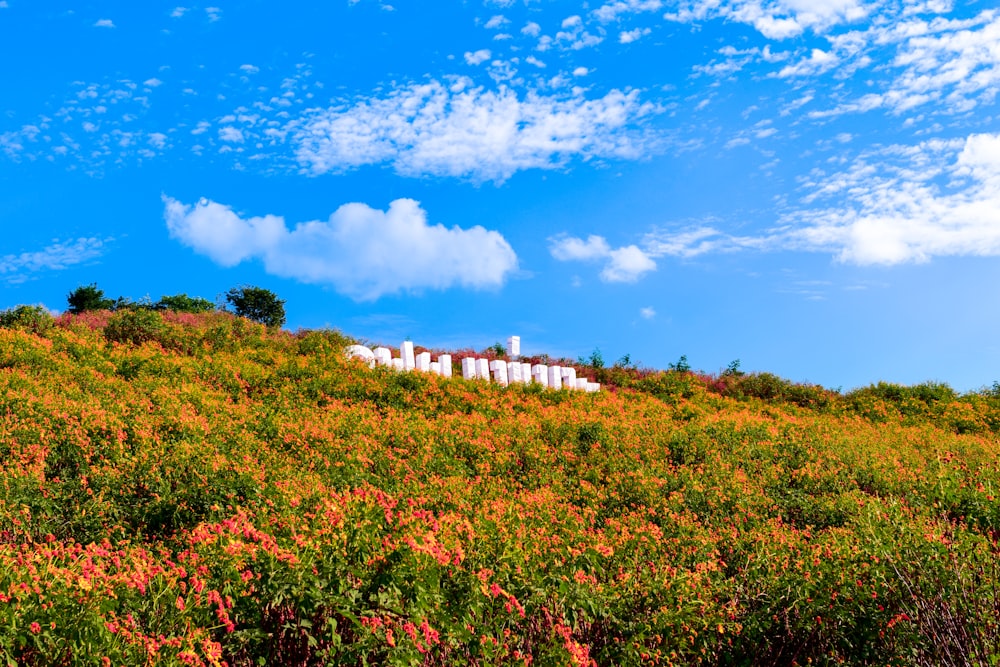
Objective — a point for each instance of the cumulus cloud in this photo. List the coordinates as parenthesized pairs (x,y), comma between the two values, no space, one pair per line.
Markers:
(104,23)
(434,129)
(364,253)
(477,57)
(621,265)
(647,313)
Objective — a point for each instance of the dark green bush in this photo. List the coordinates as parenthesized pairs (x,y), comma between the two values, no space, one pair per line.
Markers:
(135,326)
(257,304)
(88,297)
(33,319)
(182,303)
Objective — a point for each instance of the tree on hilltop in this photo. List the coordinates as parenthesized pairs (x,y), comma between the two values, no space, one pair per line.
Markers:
(88,297)
(257,304)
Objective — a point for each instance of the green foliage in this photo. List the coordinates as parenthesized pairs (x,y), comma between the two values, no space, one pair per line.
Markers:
(682,365)
(33,319)
(595,360)
(182,303)
(251,496)
(257,304)
(135,326)
(497,349)
(88,297)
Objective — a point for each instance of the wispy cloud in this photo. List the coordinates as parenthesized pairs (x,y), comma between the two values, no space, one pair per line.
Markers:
(104,23)
(457,130)
(364,253)
(56,256)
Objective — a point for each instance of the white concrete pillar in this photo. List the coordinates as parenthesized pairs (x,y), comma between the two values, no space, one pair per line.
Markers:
(499,368)
(424,361)
(483,369)
(383,356)
(569,378)
(582,383)
(514,347)
(469,368)
(397,364)
(526,373)
(436,367)
(514,372)
(540,373)
(555,377)
(444,362)
(406,354)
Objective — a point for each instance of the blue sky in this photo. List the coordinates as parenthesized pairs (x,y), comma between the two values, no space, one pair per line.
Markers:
(809,186)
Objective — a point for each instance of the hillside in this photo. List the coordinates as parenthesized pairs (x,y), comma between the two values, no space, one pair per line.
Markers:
(200,490)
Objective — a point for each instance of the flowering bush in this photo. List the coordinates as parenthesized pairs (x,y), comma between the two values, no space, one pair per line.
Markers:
(233,494)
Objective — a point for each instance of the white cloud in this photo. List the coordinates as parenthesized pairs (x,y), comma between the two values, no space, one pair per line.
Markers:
(629,36)
(231,134)
(178,12)
(581,71)
(477,57)
(363,252)
(58,255)
(778,19)
(612,10)
(818,61)
(152,83)
(497,21)
(3,4)
(472,132)
(567,248)
(647,313)
(250,69)
(626,264)
(104,23)
(213,13)
(907,204)
(531,29)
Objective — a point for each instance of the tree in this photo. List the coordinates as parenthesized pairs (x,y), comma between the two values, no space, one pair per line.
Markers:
(88,297)
(257,304)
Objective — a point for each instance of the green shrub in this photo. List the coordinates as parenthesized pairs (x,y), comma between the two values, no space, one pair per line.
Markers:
(33,319)
(135,326)
(182,303)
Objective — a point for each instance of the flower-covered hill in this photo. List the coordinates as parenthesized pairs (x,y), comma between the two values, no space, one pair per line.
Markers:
(183,489)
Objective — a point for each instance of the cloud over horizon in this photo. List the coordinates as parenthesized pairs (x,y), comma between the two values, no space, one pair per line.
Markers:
(364,253)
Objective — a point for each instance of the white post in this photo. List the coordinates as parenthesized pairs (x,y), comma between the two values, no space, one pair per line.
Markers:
(555,377)
(499,369)
(514,372)
(444,362)
(540,372)
(469,368)
(424,361)
(436,367)
(397,364)
(483,369)
(383,356)
(582,383)
(514,347)
(406,354)
(593,387)
(569,378)
(526,373)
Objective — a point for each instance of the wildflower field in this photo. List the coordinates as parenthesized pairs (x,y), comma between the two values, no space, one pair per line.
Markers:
(200,490)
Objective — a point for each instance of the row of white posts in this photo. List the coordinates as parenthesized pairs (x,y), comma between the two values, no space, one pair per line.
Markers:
(502,372)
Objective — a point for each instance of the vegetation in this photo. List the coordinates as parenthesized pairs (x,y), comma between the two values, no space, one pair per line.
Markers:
(257,304)
(201,489)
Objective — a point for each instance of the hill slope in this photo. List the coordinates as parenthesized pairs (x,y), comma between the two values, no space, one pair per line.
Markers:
(224,493)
